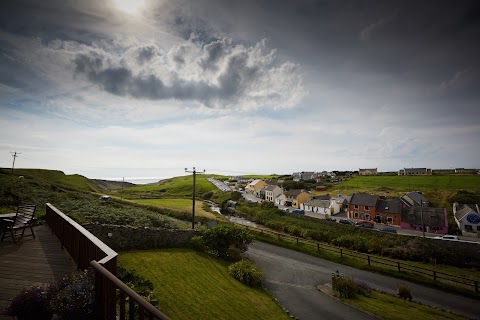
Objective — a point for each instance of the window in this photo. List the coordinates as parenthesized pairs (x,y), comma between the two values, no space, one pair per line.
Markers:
(356,206)
(357,215)
(367,208)
(389,219)
(367,217)
(468,227)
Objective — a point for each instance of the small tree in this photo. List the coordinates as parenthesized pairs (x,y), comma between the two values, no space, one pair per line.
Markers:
(226,241)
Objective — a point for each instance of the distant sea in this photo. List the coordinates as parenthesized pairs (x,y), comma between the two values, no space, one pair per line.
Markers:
(137,180)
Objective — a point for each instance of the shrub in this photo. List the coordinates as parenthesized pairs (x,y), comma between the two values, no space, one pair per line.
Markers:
(349,288)
(246,272)
(345,287)
(75,298)
(226,241)
(404,292)
(137,283)
(32,303)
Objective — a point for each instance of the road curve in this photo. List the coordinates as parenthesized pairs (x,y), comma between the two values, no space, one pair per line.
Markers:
(292,278)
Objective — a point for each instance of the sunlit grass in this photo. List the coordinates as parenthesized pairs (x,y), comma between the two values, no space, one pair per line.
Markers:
(193,285)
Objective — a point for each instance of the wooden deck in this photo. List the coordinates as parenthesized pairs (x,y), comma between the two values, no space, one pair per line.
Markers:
(30,262)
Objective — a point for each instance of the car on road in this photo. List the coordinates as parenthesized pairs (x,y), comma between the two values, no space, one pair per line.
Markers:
(365,224)
(331,219)
(447,237)
(388,230)
(346,221)
(298,211)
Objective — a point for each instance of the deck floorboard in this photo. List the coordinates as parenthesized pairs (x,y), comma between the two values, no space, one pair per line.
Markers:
(31,262)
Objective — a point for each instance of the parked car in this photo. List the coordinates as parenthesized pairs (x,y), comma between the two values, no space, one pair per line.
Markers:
(346,221)
(388,230)
(331,219)
(365,224)
(105,198)
(299,211)
(447,237)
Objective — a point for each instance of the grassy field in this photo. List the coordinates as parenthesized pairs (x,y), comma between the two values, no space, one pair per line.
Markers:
(413,183)
(388,307)
(193,285)
(184,205)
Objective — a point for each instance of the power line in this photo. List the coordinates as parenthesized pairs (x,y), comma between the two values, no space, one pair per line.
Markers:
(14,155)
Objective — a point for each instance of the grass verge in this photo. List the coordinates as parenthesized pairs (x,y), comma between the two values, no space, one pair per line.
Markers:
(183,205)
(193,285)
(388,307)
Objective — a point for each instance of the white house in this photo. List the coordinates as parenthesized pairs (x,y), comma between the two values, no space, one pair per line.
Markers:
(272,192)
(319,208)
(467,217)
(280,199)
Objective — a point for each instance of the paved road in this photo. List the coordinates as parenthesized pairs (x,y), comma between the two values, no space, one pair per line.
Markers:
(292,278)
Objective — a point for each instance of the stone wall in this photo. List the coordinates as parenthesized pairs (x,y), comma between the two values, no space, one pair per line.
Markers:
(130,238)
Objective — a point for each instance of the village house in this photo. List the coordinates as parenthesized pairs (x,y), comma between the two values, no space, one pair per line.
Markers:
(362,206)
(467,217)
(435,220)
(272,192)
(415,171)
(414,198)
(367,172)
(255,186)
(321,208)
(280,200)
(389,211)
(295,198)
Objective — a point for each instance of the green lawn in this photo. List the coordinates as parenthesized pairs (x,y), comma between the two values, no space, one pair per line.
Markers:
(193,285)
(178,205)
(388,307)
(415,183)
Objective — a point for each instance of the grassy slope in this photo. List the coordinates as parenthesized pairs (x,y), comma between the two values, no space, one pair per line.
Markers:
(183,205)
(58,177)
(192,285)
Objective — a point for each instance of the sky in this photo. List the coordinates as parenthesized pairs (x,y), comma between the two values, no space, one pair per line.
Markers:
(111,89)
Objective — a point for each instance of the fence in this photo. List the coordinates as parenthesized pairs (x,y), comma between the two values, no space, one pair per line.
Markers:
(372,259)
(86,249)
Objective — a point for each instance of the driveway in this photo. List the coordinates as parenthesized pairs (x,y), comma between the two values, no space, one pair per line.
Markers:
(292,278)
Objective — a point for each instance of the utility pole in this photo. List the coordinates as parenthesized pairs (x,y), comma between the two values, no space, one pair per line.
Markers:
(421,217)
(123,182)
(193,195)
(14,155)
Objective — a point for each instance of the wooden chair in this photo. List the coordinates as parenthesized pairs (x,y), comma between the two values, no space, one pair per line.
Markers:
(22,220)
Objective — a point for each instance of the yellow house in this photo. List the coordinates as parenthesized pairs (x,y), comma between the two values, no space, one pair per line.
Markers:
(296,197)
(255,186)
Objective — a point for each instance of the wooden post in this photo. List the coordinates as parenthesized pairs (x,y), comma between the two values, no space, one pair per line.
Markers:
(297,240)
(434,275)
(368,257)
(476,286)
(318,246)
(398,266)
(341,253)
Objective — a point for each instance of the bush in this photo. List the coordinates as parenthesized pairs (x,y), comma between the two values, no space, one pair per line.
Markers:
(32,303)
(75,298)
(226,241)
(345,287)
(404,292)
(246,272)
(349,289)
(137,283)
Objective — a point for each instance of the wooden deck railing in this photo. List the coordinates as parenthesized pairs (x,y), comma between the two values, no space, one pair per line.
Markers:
(87,250)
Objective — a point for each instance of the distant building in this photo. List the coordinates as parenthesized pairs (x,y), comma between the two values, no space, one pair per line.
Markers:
(414,198)
(467,217)
(415,172)
(435,220)
(362,206)
(367,172)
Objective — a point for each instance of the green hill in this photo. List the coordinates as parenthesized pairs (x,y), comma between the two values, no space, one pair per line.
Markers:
(56,177)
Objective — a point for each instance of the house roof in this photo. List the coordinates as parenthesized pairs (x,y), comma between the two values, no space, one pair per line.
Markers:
(323,197)
(415,198)
(364,199)
(319,203)
(465,210)
(416,170)
(434,217)
(271,187)
(389,206)
(293,192)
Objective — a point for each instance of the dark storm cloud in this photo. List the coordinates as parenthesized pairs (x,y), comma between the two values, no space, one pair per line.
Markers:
(224,73)
(145,54)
